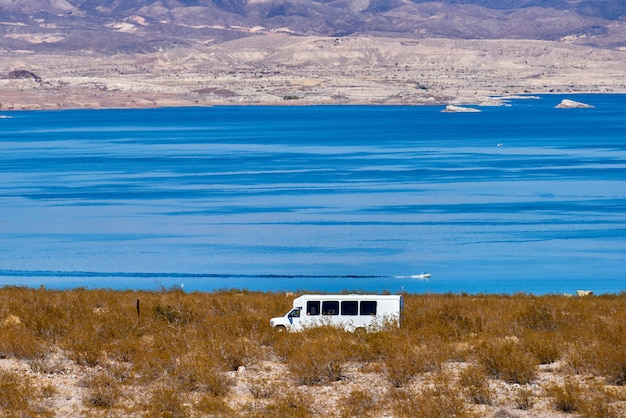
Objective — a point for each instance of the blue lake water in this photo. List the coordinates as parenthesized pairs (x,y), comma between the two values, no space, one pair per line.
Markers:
(317,198)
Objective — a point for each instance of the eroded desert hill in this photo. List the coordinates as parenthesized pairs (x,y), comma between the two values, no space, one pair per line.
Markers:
(132,53)
(137,26)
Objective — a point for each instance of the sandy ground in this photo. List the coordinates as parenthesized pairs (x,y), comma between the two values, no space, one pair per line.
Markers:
(290,70)
(263,383)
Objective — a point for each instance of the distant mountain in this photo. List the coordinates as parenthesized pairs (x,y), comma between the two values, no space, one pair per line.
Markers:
(131,26)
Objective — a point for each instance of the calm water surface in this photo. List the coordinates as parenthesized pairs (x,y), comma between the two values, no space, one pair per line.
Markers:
(522,198)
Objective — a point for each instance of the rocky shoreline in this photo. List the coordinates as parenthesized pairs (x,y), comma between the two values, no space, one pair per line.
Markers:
(311,70)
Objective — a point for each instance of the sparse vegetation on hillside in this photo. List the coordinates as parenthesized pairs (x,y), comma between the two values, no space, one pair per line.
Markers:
(171,353)
(23,74)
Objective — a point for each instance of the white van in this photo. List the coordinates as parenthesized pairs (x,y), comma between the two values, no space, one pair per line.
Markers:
(351,312)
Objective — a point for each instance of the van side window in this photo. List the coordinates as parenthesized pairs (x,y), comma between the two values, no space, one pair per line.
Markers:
(330,307)
(349,307)
(313,307)
(295,313)
(368,307)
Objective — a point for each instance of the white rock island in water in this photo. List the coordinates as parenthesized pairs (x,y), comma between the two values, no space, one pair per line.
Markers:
(455,109)
(571,104)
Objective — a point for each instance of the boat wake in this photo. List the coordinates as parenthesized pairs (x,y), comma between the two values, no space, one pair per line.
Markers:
(421,276)
(87,274)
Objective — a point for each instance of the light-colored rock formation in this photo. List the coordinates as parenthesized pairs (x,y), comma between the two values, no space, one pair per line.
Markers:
(571,104)
(460,109)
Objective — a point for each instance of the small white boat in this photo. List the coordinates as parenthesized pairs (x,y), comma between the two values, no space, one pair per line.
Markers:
(421,276)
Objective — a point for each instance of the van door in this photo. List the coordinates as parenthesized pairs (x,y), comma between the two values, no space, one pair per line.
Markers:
(294,318)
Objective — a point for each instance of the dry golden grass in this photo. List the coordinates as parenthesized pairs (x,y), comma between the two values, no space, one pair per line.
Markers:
(170,353)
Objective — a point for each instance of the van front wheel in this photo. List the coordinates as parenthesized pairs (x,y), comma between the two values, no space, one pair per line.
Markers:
(280,328)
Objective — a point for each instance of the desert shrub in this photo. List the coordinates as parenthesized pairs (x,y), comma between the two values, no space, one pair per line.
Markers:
(18,341)
(166,400)
(85,348)
(15,391)
(440,399)
(404,361)
(103,391)
(46,365)
(159,355)
(291,404)
(316,355)
(317,366)
(455,320)
(213,406)
(358,403)
(613,363)
(262,388)
(199,372)
(601,358)
(234,353)
(598,404)
(122,372)
(578,358)
(48,390)
(19,397)
(48,319)
(589,401)
(96,321)
(507,360)
(539,316)
(524,399)
(125,349)
(546,347)
(444,317)
(475,384)
(460,351)
(175,315)
(608,356)
(363,346)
